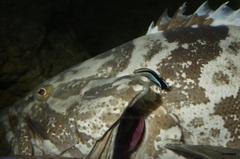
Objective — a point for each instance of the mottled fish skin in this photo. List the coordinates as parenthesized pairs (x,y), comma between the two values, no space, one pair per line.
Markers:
(79,108)
(204,72)
(72,125)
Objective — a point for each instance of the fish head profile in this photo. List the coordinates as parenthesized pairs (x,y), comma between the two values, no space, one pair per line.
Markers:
(179,84)
(83,117)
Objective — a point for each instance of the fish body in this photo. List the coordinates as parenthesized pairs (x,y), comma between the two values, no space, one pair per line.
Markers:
(80,112)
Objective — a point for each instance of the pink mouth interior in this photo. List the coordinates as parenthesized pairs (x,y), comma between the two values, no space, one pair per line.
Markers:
(137,134)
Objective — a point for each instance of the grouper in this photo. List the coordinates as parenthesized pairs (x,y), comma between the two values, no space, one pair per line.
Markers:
(172,93)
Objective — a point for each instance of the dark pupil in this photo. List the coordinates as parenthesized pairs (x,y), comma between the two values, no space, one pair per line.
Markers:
(42,91)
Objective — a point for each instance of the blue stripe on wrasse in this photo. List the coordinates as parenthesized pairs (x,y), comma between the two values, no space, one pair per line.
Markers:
(153,76)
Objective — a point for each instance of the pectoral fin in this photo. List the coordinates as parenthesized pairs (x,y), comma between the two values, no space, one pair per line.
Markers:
(204,151)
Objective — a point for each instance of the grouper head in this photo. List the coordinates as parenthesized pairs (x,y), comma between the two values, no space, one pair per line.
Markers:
(92,117)
(118,105)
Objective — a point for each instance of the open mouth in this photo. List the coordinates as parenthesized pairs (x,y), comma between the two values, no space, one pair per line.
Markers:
(130,133)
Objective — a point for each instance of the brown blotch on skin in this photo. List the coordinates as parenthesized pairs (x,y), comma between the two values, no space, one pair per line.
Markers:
(108,118)
(126,94)
(66,90)
(215,132)
(198,96)
(87,115)
(234,47)
(83,137)
(161,121)
(232,67)
(219,78)
(122,56)
(189,35)
(177,22)
(198,54)
(39,123)
(36,127)
(182,21)
(166,122)
(229,110)
(199,20)
(22,141)
(153,48)
(196,122)
(74,152)
(205,141)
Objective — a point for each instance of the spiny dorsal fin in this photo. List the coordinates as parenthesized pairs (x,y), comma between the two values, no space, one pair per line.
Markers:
(224,15)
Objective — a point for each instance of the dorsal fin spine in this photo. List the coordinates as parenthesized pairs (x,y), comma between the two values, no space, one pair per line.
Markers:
(203,10)
(223,15)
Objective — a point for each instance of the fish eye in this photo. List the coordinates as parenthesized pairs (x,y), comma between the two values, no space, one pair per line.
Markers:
(43,93)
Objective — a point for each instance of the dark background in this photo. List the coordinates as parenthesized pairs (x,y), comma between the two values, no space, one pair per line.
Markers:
(39,38)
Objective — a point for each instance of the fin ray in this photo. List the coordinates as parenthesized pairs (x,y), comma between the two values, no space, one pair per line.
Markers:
(223,15)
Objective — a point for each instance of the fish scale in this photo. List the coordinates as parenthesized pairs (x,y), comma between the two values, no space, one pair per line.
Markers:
(78,112)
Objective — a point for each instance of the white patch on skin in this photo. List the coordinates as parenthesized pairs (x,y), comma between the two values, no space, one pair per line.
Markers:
(170,82)
(185,93)
(60,106)
(109,69)
(137,88)
(187,64)
(222,63)
(167,136)
(194,26)
(123,86)
(189,81)
(83,70)
(201,42)
(83,148)
(89,127)
(37,146)
(185,46)
(177,85)
(168,154)
(163,54)
(187,114)
(28,107)
(49,148)
(94,121)
(177,74)
(52,121)
(94,126)
(215,93)
(96,83)
(120,82)
(138,60)
(183,75)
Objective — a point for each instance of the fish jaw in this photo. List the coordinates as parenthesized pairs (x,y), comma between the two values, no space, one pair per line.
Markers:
(81,126)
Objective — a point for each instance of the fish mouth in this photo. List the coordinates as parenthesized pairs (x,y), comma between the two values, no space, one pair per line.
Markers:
(130,133)
(132,126)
